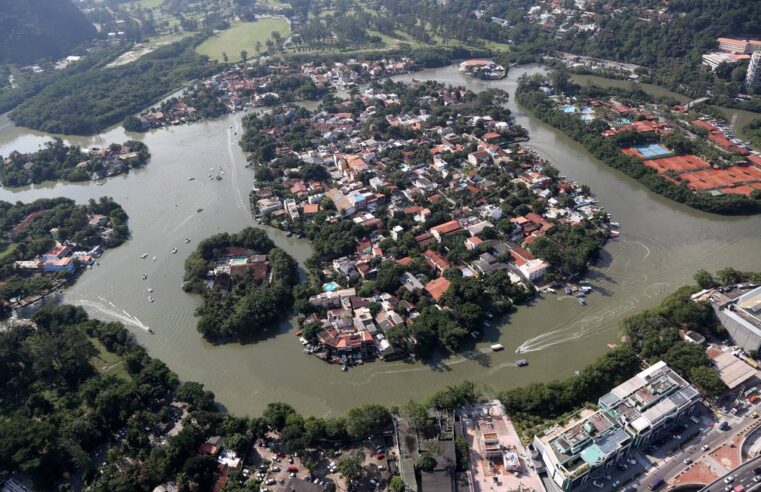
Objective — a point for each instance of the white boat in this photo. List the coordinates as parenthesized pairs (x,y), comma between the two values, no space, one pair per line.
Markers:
(145,276)
(550,290)
(474,334)
(614,234)
(144,256)
(582,301)
(150,290)
(615,224)
(187,240)
(150,299)
(191,179)
(174,251)
(497,347)
(154,258)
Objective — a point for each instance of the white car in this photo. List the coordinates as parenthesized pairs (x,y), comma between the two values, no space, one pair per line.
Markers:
(729,479)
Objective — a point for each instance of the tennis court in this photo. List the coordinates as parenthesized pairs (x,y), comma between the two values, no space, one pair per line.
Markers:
(653,151)
(678,164)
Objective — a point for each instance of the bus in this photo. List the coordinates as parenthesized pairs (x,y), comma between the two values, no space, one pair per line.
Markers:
(657,483)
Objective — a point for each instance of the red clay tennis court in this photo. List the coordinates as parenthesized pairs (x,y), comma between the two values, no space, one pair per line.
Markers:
(721,178)
(678,164)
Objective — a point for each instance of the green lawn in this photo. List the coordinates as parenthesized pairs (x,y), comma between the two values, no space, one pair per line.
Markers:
(146,4)
(107,362)
(242,36)
(6,250)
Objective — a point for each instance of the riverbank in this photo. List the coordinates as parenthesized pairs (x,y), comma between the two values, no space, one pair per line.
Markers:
(619,134)
(662,242)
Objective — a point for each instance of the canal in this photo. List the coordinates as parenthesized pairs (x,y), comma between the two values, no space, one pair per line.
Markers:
(661,245)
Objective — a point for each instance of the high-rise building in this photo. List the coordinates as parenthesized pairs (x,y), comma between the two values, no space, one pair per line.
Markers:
(631,415)
(754,70)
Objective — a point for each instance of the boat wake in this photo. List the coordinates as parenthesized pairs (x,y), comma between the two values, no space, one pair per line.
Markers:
(108,308)
(231,141)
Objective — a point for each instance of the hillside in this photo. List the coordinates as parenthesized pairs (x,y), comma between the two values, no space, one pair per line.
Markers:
(34,29)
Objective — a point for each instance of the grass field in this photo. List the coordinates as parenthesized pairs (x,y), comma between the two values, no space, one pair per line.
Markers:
(242,36)
(6,250)
(108,363)
(146,4)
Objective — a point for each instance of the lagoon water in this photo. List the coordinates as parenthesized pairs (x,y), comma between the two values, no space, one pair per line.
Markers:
(661,245)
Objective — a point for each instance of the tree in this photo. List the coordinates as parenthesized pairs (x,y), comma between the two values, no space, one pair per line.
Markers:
(397,484)
(244,55)
(258,47)
(275,414)
(224,56)
(351,467)
(426,462)
(417,413)
(704,279)
(708,380)
(367,420)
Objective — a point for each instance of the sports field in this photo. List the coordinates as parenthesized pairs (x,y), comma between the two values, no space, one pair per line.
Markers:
(242,36)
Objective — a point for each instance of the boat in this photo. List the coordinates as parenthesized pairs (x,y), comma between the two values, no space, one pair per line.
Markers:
(344,368)
(150,290)
(187,240)
(568,290)
(145,276)
(550,290)
(219,178)
(191,179)
(582,301)
(497,347)
(614,234)
(288,233)
(199,210)
(150,330)
(144,256)
(615,224)
(150,299)
(521,363)
(154,258)
(174,251)
(474,334)
(586,289)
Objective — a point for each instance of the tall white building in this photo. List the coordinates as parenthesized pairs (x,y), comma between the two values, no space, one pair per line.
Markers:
(754,70)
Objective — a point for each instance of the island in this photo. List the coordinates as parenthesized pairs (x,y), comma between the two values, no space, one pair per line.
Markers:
(130,423)
(685,153)
(428,218)
(246,284)
(56,161)
(245,86)
(47,243)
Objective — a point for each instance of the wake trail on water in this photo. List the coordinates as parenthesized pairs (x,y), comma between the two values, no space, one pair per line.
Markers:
(234,167)
(102,306)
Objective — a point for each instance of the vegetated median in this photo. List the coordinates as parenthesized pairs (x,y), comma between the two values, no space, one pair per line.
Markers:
(246,284)
(531,95)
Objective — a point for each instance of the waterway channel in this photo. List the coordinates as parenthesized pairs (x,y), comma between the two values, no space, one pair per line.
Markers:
(662,244)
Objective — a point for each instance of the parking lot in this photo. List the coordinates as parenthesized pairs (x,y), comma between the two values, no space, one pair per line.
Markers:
(273,467)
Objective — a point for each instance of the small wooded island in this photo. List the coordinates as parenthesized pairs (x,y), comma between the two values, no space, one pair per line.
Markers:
(245,282)
(56,161)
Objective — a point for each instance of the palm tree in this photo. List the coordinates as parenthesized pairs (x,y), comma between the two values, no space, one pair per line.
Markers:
(258,47)
(244,55)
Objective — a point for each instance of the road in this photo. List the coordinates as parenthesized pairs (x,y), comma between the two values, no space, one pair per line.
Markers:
(742,475)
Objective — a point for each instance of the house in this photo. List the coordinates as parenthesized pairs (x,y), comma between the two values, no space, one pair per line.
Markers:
(437,287)
(473,242)
(446,229)
(435,261)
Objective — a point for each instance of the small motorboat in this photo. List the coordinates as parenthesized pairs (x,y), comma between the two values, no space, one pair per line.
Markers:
(150,290)
(582,301)
(145,276)
(474,334)
(344,368)
(521,363)
(199,210)
(191,179)
(150,330)
(497,347)
(174,251)
(187,240)
(154,258)
(219,178)
(144,256)
(615,224)
(151,299)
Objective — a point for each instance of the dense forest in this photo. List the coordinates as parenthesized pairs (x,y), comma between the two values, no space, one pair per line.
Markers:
(247,308)
(532,98)
(58,161)
(35,29)
(26,231)
(86,102)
